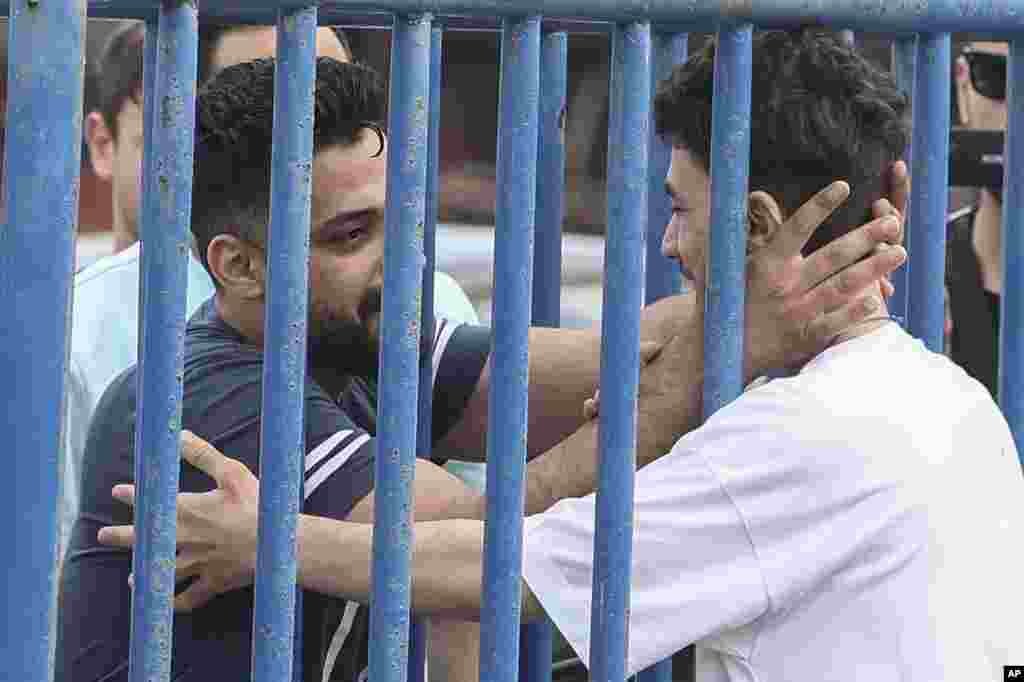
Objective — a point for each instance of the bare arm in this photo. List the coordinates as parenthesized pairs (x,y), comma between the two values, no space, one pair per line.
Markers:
(564,370)
(447,569)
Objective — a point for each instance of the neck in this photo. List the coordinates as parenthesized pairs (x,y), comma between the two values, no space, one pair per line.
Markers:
(124,234)
(244,317)
(865,326)
(987,241)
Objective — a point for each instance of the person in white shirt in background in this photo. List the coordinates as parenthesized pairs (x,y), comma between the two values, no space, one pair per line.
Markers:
(104,337)
(818,527)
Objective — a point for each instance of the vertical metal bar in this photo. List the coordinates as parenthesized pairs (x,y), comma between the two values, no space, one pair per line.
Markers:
(1011,332)
(663,276)
(146,211)
(620,347)
(43,158)
(148,196)
(513,283)
(398,379)
(284,333)
(727,239)
(537,646)
(547,253)
(417,650)
(418,629)
(536,651)
(926,306)
(904,53)
(167,245)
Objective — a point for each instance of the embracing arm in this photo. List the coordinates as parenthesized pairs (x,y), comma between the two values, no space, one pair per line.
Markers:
(446,563)
(447,568)
(563,372)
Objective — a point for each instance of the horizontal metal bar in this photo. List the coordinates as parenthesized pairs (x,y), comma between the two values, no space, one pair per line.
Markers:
(998,17)
(344,17)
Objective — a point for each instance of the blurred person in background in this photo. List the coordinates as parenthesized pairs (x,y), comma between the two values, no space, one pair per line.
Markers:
(974,275)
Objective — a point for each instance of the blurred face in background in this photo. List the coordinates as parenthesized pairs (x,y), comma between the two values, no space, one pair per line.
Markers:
(980,72)
(119,160)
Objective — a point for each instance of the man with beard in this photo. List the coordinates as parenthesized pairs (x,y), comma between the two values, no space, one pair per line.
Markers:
(974,271)
(105,317)
(224,359)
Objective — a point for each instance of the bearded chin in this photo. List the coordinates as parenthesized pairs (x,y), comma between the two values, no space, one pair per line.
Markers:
(344,347)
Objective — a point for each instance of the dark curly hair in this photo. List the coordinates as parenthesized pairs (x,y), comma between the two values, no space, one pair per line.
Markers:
(118,73)
(234,134)
(820,112)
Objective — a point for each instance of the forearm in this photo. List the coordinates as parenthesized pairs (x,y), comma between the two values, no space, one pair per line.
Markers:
(453,650)
(564,370)
(335,558)
(570,469)
(669,405)
(565,367)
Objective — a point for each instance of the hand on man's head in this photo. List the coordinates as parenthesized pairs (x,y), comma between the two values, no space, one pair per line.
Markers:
(797,305)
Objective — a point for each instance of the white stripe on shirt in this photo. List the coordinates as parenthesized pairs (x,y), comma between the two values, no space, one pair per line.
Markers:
(336,461)
(338,640)
(444,335)
(324,449)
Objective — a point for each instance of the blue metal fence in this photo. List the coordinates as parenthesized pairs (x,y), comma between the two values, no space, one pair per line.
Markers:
(167,242)
(36,247)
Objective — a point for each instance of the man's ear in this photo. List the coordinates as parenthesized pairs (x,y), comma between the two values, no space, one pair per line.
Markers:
(101,145)
(237,266)
(765,220)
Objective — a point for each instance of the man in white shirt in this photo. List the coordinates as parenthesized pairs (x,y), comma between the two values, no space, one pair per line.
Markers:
(811,530)
(104,337)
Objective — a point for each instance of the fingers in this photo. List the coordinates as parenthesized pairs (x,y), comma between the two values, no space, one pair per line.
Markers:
(848,286)
(206,458)
(899,186)
(198,593)
(840,254)
(801,225)
(124,493)
(117,536)
(824,329)
(591,405)
(883,208)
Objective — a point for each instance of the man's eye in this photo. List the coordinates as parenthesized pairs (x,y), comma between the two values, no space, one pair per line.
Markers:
(346,235)
(355,233)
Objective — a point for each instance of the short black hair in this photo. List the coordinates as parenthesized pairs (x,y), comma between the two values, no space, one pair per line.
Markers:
(234,137)
(820,112)
(118,74)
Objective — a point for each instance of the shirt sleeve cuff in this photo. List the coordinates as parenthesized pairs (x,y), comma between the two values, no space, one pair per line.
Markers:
(547,582)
